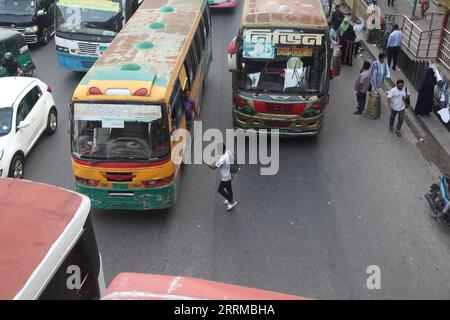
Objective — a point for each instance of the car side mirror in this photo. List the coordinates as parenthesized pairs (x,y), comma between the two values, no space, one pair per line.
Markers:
(41,13)
(23,124)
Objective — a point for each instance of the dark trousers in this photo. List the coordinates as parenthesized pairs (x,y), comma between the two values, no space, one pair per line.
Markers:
(225,190)
(390,2)
(357,45)
(401,116)
(392,54)
(361,98)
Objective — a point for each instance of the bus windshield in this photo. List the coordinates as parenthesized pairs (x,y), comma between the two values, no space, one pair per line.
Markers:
(114,139)
(17,7)
(100,18)
(282,68)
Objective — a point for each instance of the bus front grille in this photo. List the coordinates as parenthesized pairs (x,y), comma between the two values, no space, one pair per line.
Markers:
(279,108)
(90,49)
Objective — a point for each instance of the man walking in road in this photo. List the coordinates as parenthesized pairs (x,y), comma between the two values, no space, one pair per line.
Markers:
(379,71)
(225,184)
(362,86)
(336,18)
(396,103)
(394,45)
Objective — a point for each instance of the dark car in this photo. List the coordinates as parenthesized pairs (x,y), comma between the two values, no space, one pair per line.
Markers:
(35,19)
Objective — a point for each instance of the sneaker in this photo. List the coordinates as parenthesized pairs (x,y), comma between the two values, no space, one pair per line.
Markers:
(231,206)
(357,112)
(225,201)
(399,134)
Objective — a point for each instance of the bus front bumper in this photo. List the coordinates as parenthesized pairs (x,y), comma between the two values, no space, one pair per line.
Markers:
(75,62)
(286,125)
(130,199)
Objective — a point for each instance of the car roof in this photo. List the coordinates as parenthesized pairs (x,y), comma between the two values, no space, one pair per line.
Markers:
(12,87)
(37,223)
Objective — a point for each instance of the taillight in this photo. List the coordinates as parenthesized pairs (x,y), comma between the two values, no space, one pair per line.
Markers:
(94,91)
(49,89)
(232,48)
(87,182)
(158,182)
(141,92)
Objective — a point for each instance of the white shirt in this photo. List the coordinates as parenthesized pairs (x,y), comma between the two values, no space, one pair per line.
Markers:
(359,31)
(397,102)
(224,165)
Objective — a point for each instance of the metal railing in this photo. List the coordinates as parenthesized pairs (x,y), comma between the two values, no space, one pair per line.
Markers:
(444,52)
(421,43)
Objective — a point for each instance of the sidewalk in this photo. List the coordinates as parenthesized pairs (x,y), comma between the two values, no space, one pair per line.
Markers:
(433,138)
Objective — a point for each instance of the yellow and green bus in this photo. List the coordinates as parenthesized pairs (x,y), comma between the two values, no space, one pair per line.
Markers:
(131,102)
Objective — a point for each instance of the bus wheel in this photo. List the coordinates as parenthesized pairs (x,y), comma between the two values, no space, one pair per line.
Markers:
(45,37)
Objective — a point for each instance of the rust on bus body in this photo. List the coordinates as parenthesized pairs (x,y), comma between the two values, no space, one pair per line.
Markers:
(284,13)
(151,43)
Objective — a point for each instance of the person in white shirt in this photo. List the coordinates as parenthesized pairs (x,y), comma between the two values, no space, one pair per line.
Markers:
(225,188)
(359,32)
(396,103)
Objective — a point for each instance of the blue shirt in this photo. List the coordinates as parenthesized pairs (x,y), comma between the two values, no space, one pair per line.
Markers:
(395,39)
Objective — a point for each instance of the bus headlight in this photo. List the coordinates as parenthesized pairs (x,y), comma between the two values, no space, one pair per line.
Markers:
(245,110)
(32,29)
(62,49)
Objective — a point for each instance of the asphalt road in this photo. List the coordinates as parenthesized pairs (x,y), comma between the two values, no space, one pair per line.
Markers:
(340,203)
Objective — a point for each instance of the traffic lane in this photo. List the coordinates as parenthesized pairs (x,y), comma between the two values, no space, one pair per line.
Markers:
(350,200)
(49,161)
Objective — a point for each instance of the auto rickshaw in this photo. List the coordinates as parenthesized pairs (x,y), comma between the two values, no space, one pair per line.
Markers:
(14,42)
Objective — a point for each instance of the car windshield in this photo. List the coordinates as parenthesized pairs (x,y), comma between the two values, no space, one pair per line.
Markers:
(101,19)
(121,139)
(282,68)
(5,120)
(17,7)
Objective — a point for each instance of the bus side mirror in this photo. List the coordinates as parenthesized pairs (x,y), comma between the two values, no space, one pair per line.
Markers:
(232,50)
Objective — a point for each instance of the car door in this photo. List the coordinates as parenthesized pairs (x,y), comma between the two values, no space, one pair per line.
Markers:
(38,114)
(23,137)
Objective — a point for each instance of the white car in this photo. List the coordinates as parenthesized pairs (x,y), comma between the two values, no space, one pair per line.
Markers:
(27,109)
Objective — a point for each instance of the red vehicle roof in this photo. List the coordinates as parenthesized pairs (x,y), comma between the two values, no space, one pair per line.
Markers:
(135,286)
(32,218)
(284,13)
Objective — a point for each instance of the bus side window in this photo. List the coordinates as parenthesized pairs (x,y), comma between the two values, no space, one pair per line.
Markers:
(191,67)
(77,276)
(176,106)
(199,44)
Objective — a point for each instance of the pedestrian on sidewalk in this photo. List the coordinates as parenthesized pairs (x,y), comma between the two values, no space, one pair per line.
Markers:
(346,40)
(396,103)
(223,164)
(424,103)
(390,3)
(336,18)
(394,45)
(424,6)
(379,71)
(359,32)
(330,7)
(362,85)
